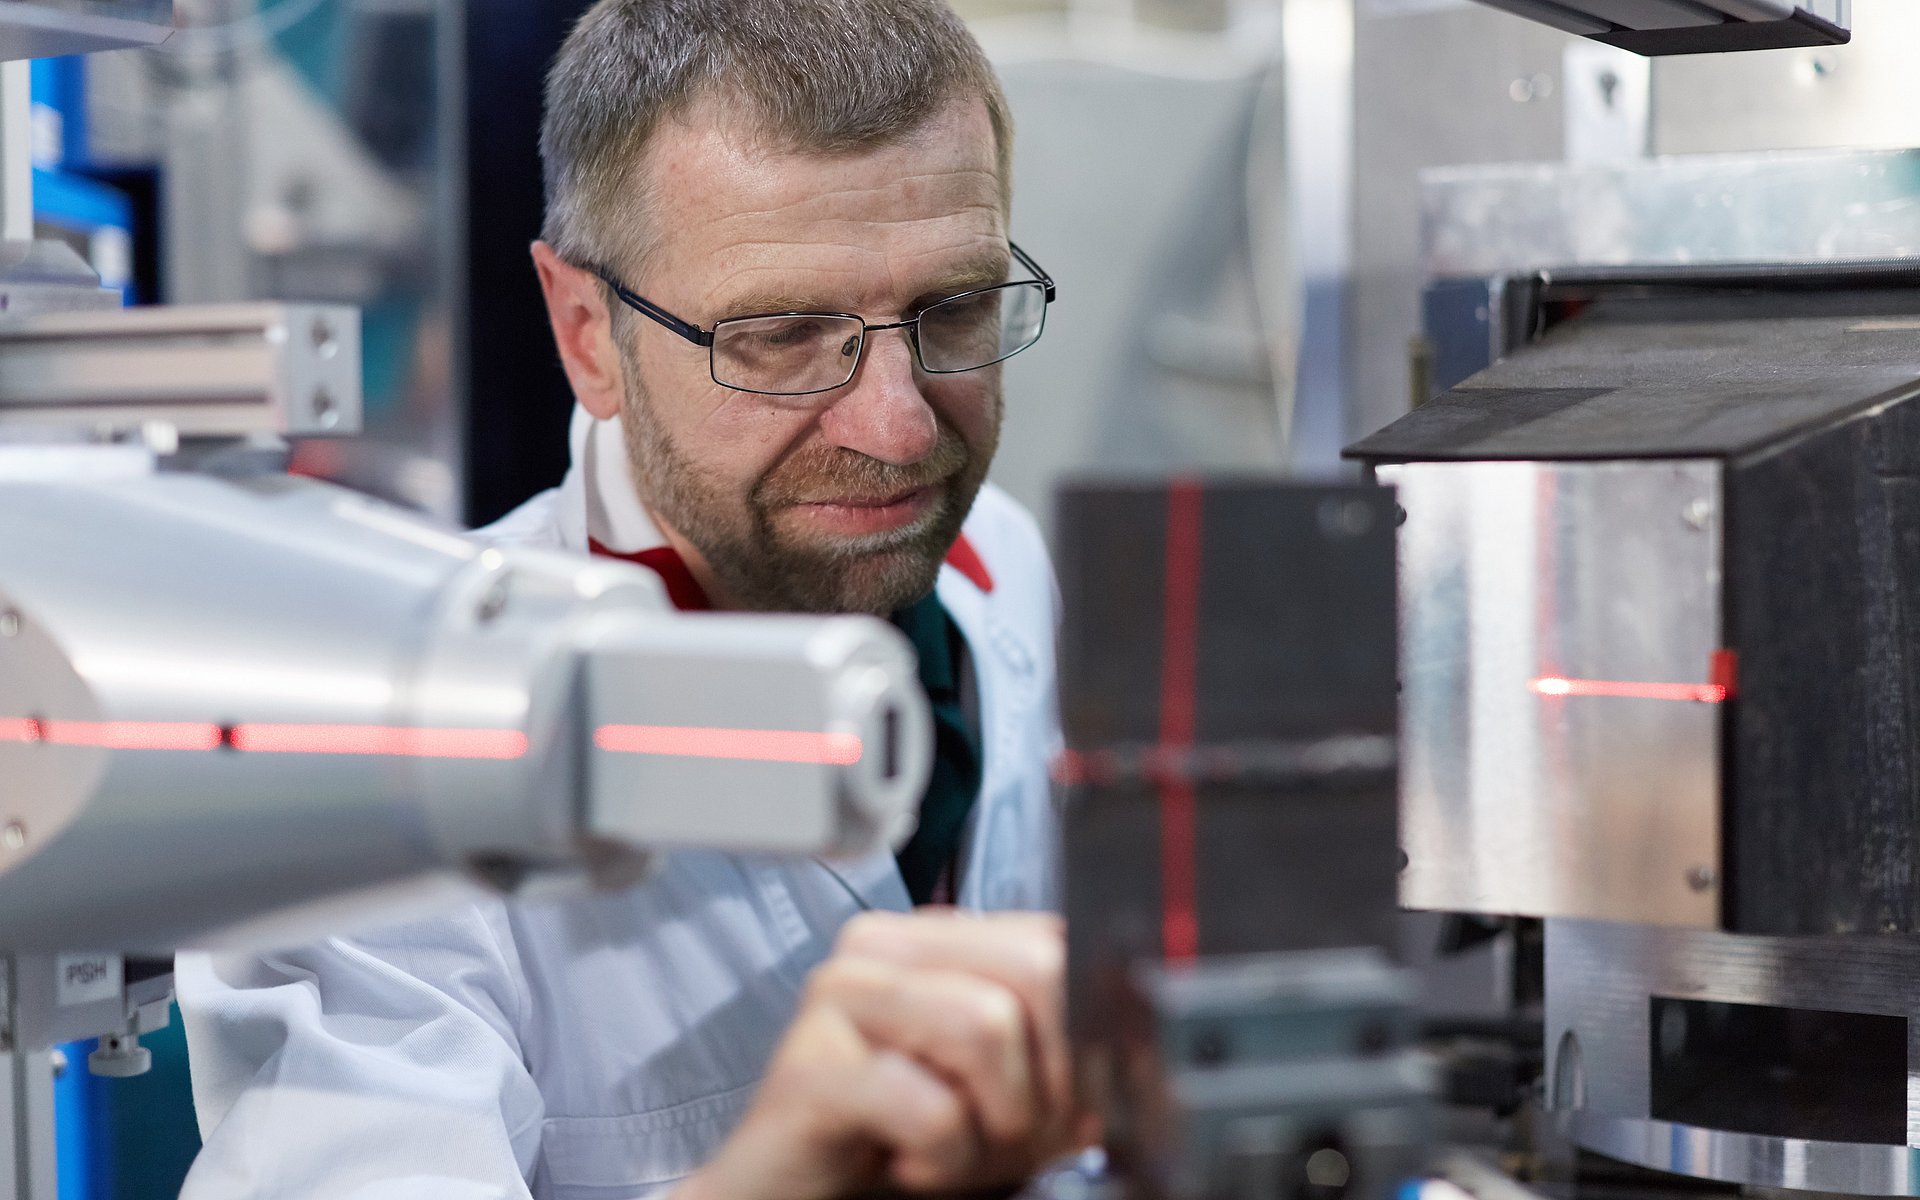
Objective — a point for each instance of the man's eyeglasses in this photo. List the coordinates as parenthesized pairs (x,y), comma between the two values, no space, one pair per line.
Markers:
(801,353)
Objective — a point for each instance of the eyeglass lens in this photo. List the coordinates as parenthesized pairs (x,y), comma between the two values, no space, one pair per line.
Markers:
(796,355)
(786,354)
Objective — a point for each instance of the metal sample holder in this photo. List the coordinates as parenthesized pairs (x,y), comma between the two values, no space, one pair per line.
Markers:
(1229,708)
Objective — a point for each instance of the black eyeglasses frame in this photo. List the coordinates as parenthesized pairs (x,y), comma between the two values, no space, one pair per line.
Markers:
(705,337)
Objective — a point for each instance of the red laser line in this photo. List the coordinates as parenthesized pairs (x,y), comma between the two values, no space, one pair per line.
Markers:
(132,735)
(1697,693)
(1179,670)
(19,729)
(747,745)
(374,740)
(392,741)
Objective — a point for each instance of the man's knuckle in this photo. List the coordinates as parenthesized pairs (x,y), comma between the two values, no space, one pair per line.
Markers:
(833,980)
(863,932)
(989,1021)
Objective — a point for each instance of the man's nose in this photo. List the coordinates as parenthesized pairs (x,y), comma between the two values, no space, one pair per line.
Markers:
(882,412)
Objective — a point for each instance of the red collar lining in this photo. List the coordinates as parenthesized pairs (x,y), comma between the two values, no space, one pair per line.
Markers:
(966,560)
(682,588)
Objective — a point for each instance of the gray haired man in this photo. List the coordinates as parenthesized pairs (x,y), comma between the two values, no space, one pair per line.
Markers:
(778,274)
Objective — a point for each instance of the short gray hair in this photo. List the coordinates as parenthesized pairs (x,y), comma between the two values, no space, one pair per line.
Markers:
(817,76)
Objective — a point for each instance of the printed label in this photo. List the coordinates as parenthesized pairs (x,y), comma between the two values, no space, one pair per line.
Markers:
(87,978)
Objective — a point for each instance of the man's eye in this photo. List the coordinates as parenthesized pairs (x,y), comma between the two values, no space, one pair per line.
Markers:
(964,310)
(789,334)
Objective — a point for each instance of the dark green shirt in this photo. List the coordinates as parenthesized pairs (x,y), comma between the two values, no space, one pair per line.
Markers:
(956,749)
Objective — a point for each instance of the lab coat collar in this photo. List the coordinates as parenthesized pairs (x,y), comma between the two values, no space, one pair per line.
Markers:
(598,500)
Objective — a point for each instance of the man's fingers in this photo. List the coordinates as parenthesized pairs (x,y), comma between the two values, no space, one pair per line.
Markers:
(924,1125)
(970,1030)
(1024,952)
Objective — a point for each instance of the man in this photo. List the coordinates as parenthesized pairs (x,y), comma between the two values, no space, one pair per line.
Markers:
(734,1027)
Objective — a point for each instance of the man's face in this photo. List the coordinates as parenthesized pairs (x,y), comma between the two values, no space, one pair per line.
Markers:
(843,501)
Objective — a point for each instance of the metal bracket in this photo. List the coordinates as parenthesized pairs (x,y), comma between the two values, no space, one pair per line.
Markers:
(208,371)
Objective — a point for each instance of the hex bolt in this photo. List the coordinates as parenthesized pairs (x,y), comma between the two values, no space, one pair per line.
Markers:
(1701,879)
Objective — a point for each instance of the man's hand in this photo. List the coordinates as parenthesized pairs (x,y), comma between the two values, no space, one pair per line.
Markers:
(929,1055)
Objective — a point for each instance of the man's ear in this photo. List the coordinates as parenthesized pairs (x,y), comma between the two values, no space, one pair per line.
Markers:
(583,331)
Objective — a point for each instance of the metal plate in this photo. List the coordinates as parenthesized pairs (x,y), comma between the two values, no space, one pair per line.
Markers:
(40,29)
(1515,800)
(47,786)
(1599,979)
(1804,206)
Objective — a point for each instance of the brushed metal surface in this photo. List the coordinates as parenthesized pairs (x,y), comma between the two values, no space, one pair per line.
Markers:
(38,29)
(1600,977)
(1513,801)
(1790,207)
(1846,1168)
(187,600)
(46,786)
(220,370)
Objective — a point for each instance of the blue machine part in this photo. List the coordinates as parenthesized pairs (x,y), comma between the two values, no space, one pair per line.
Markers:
(60,112)
(93,217)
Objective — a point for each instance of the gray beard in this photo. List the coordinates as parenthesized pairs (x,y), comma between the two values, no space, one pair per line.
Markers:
(765,570)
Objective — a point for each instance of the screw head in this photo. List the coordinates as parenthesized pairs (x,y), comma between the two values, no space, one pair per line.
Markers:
(326,410)
(14,835)
(9,623)
(1697,513)
(1700,879)
(325,343)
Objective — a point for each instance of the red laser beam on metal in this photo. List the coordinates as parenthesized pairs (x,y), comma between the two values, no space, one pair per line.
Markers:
(351,740)
(1621,689)
(132,735)
(746,745)
(1179,687)
(380,741)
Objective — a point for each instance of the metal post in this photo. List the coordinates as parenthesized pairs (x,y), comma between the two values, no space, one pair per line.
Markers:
(16,151)
(27,1158)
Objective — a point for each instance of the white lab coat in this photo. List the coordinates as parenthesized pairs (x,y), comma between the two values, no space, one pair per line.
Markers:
(598,1048)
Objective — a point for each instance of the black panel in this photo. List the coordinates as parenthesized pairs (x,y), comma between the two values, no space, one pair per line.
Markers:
(1665,371)
(1291,643)
(1294,830)
(518,398)
(1801,29)
(1778,1072)
(1294,871)
(1296,640)
(1111,542)
(1823,573)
